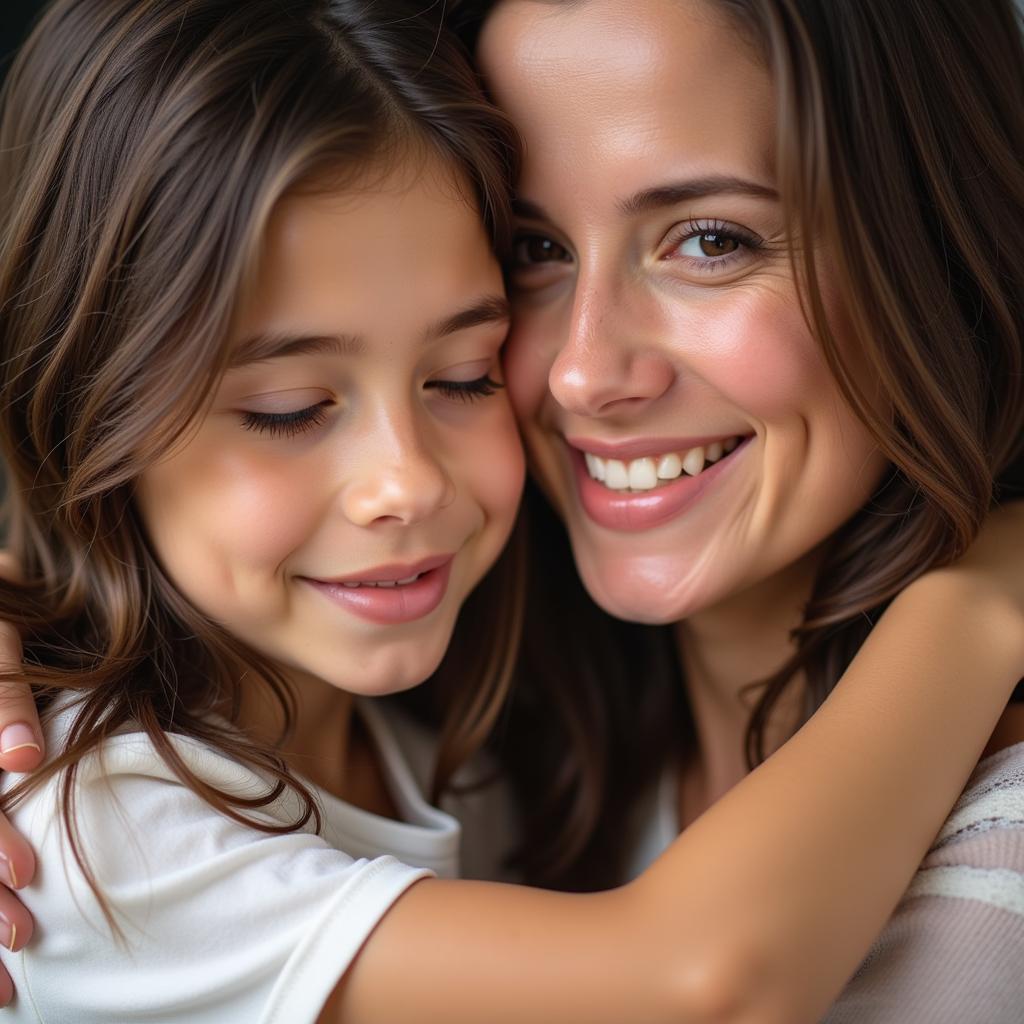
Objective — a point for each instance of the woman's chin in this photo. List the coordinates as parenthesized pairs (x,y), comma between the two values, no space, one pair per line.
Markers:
(646,592)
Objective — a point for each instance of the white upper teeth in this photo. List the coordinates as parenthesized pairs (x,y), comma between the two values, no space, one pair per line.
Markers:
(645,474)
(384,583)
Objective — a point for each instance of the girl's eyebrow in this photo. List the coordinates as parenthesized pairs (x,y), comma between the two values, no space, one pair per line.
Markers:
(491,309)
(260,348)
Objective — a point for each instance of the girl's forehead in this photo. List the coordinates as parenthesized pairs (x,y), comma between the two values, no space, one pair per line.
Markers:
(378,259)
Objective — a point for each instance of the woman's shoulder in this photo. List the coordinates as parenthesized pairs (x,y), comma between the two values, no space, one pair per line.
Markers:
(979,852)
(951,952)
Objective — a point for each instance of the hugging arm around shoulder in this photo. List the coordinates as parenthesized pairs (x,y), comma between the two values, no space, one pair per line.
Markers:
(221,923)
(954,949)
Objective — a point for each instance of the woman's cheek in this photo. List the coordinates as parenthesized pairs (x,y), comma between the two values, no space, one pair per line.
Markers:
(755,351)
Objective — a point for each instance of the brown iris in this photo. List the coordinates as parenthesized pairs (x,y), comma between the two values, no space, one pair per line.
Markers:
(714,243)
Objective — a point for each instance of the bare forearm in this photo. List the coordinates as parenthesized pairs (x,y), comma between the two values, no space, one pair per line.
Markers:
(806,858)
(765,906)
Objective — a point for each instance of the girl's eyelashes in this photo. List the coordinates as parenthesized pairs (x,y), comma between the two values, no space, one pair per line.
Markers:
(291,424)
(465,390)
(710,245)
(286,424)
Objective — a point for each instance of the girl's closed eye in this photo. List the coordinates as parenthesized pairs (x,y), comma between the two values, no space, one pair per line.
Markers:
(287,414)
(468,382)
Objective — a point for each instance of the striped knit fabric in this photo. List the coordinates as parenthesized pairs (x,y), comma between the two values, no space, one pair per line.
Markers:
(953,952)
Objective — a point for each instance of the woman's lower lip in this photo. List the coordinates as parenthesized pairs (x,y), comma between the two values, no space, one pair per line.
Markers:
(634,511)
(390,606)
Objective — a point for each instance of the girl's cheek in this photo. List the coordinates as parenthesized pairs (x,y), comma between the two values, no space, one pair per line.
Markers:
(248,509)
(487,460)
(265,512)
(528,357)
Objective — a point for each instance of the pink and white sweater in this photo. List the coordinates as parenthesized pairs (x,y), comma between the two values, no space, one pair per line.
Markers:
(953,952)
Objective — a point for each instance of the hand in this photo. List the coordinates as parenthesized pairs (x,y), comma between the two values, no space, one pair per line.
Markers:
(21,749)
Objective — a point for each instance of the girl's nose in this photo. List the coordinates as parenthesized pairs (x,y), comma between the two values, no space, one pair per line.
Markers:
(398,480)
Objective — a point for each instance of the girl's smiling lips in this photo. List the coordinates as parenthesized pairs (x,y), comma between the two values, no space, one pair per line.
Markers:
(390,594)
(638,510)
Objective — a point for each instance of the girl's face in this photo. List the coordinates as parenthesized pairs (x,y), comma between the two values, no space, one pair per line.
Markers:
(675,406)
(357,473)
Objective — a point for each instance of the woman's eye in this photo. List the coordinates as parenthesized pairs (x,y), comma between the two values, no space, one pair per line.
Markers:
(710,246)
(529,250)
(286,424)
(465,390)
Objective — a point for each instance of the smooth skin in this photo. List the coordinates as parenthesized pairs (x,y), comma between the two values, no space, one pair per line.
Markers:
(719,929)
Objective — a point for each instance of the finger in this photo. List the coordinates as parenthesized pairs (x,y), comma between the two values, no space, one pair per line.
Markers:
(16,928)
(16,924)
(17,859)
(21,740)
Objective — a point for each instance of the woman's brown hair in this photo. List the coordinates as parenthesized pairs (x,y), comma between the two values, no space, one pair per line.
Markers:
(900,152)
(143,146)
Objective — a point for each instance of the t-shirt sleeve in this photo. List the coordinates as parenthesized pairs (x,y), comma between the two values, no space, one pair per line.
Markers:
(953,952)
(220,922)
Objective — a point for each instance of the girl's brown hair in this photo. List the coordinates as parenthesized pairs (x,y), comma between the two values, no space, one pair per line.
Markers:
(900,151)
(143,146)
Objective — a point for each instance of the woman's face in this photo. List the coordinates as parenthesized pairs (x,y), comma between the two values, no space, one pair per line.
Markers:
(675,406)
(357,473)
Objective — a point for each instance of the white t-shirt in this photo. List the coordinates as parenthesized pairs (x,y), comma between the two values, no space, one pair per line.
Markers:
(225,923)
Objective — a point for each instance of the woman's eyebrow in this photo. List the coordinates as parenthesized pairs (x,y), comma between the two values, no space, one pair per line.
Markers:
(673,192)
(669,194)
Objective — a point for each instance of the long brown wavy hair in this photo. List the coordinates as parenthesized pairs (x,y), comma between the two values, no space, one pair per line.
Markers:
(900,151)
(143,146)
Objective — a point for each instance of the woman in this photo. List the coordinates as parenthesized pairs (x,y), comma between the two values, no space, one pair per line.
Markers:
(452,913)
(698,177)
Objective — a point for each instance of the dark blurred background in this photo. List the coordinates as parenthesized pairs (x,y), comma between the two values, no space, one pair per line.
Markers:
(15,18)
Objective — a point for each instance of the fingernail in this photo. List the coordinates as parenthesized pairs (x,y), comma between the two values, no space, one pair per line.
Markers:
(7,865)
(8,933)
(17,737)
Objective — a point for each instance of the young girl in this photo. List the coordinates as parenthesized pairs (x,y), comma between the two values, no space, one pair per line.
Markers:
(259,457)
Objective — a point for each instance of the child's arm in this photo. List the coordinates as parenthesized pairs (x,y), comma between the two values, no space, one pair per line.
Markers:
(766,905)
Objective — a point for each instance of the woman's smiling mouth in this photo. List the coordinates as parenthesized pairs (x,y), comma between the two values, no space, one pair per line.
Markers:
(649,483)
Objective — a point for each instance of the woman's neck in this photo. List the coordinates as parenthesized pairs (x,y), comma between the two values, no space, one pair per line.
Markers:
(725,648)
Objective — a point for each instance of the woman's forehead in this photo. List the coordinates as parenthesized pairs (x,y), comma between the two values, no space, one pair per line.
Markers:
(638,90)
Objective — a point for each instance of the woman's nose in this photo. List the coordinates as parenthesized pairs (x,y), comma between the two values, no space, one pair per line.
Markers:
(605,365)
(398,480)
